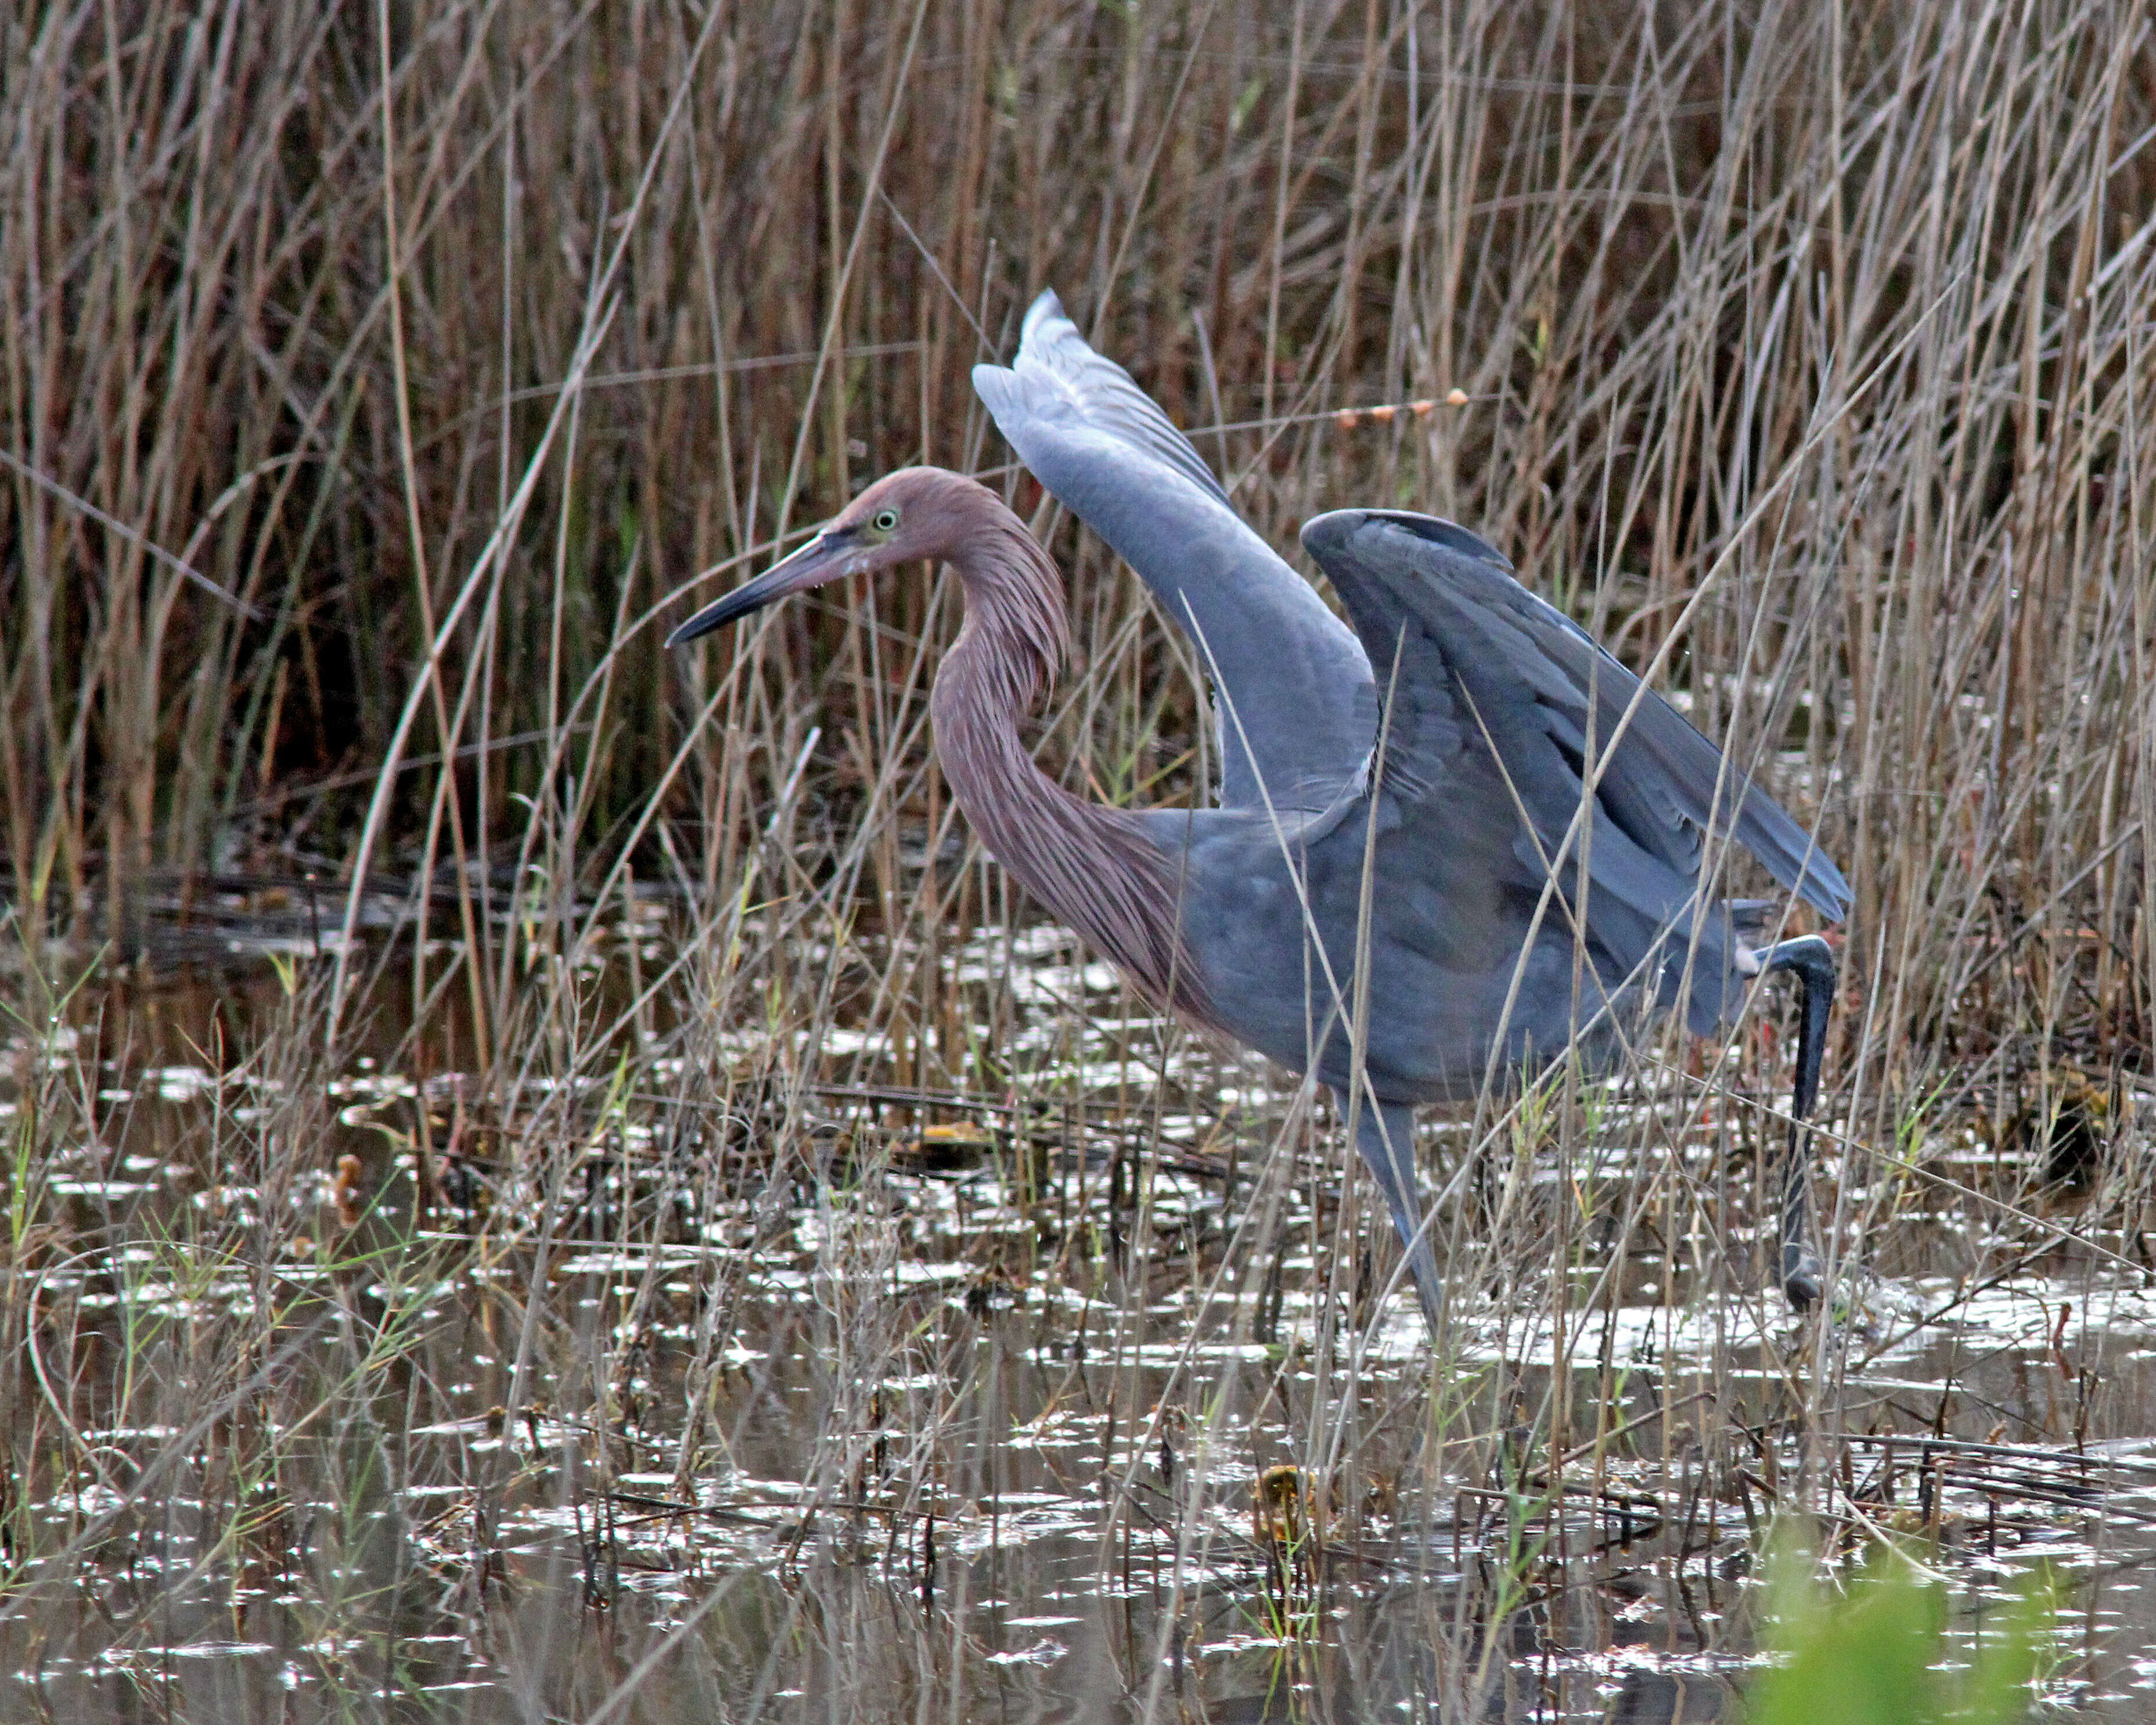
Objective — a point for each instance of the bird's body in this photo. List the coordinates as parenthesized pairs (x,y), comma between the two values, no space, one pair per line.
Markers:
(1486,854)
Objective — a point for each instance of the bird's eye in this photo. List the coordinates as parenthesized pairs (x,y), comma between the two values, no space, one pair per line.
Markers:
(885,521)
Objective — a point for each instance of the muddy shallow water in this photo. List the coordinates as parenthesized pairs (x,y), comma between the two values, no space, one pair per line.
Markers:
(351,1388)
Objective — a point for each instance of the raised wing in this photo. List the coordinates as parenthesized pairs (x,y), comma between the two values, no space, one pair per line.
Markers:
(1466,656)
(1059,378)
(1286,670)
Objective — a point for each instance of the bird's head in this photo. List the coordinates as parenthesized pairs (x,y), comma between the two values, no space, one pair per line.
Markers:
(916,513)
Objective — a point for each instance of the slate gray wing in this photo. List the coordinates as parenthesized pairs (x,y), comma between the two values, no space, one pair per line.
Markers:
(1478,674)
(1536,682)
(1290,670)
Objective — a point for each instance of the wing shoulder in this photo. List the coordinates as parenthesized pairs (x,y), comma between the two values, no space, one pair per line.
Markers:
(1058,387)
(1286,670)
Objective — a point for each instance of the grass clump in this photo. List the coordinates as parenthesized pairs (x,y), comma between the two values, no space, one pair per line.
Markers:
(1879,1653)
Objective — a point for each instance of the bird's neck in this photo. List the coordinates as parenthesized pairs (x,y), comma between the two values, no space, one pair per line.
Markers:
(1091,866)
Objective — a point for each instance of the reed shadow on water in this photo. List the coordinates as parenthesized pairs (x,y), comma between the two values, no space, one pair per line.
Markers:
(546,1181)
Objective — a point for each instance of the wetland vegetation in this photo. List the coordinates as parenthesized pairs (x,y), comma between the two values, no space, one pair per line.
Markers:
(544,1181)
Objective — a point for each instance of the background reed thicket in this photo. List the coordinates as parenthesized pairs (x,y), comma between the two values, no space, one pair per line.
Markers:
(453,341)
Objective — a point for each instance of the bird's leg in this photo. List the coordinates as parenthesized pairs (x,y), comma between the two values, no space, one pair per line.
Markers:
(1384,1135)
(1812,961)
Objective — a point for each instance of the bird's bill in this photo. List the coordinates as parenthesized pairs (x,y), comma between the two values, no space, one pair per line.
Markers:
(822,559)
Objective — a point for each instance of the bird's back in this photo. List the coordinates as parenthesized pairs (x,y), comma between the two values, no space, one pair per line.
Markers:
(1467,957)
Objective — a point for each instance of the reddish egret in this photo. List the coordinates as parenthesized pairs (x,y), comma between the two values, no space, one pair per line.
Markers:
(1504,910)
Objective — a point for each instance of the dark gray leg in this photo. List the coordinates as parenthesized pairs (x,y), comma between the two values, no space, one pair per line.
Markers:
(1812,961)
(1384,1135)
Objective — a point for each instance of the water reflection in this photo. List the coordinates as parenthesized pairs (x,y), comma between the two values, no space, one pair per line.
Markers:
(679,1390)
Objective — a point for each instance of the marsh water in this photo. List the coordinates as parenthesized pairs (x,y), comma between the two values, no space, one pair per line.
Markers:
(339,1401)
